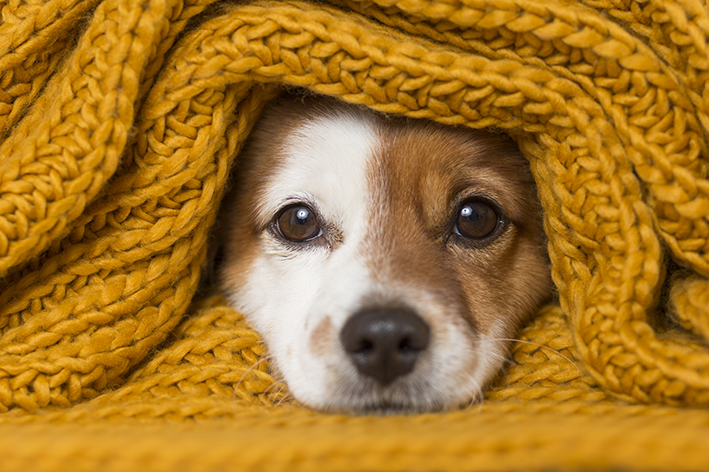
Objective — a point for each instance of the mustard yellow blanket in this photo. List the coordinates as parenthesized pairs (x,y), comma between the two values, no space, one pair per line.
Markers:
(120,121)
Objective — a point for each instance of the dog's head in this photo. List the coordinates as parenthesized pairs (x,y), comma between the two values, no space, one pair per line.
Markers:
(385,261)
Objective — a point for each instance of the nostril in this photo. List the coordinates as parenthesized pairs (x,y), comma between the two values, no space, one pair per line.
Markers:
(364,346)
(385,343)
(406,345)
(414,340)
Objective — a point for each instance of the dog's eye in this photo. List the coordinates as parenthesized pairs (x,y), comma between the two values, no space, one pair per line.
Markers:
(298,223)
(477,219)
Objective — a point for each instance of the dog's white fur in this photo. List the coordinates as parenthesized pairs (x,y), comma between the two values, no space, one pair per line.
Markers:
(299,296)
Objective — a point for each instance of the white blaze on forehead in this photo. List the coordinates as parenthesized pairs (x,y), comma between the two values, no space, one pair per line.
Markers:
(325,162)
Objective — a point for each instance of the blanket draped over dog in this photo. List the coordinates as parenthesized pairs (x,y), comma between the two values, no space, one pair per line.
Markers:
(120,121)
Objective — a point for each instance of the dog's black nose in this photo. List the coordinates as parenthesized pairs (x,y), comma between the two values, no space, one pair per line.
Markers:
(385,343)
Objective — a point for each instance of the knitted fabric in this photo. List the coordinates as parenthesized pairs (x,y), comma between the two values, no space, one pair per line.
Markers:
(121,120)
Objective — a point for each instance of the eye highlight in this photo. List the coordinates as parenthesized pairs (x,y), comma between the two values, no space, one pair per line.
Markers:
(477,219)
(298,223)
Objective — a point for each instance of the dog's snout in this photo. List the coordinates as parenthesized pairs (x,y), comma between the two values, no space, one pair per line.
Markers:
(385,343)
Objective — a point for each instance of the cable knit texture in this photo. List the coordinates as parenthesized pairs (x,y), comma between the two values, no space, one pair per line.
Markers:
(120,121)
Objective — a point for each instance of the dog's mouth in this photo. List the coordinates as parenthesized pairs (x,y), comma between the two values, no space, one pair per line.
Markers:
(388,402)
(393,409)
(377,407)
(385,408)
(366,396)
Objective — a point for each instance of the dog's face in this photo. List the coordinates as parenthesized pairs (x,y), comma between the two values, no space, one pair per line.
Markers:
(385,261)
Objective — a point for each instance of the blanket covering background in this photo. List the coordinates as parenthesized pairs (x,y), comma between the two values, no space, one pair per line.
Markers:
(120,121)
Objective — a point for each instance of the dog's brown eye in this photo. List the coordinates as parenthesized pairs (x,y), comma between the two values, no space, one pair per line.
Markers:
(298,223)
(477,219)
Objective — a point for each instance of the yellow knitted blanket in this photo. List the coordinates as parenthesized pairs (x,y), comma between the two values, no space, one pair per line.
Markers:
(120,121)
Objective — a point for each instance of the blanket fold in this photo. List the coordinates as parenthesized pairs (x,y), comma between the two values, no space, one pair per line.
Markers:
(121,121)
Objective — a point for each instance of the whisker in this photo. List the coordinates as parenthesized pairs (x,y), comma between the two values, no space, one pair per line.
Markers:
(265,394)
(288,396)
(476,391)
(271,387)
(477,395)
(280,390)
(246,372)
(495,355)
(272,397)
(266,397)
(543,347)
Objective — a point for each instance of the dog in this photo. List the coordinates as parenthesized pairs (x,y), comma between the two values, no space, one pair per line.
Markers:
(385,261)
